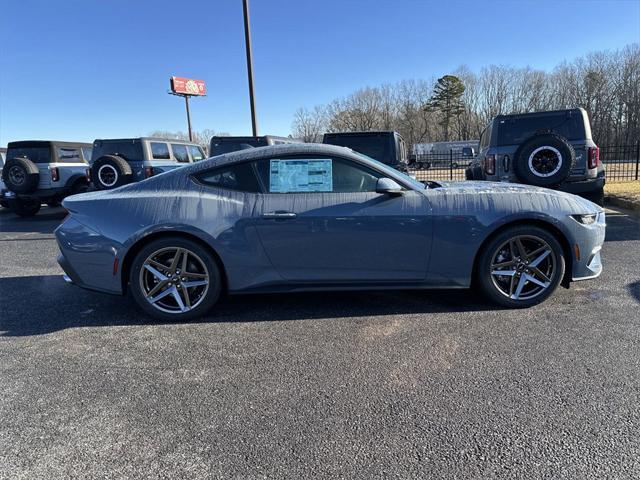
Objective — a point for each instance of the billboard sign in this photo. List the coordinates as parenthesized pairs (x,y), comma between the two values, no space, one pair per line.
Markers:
(188,86)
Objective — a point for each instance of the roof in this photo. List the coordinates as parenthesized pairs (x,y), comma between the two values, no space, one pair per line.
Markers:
(368,132)
(544,112)
(273,151)
(137,139)
(45,143)
(250,137)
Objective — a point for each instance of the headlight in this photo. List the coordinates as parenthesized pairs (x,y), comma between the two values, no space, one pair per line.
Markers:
(587,219)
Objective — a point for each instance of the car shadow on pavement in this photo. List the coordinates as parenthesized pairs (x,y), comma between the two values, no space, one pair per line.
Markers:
(634,290)
(46,221)
(45,304)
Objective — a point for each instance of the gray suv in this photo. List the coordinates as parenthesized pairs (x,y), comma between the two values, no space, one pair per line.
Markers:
(116,162)
(37,172)
(549,149)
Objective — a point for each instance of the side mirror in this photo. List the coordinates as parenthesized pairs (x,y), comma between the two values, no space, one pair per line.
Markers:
(388,186)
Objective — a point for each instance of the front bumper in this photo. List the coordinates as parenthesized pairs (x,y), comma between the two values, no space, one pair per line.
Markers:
(586,249)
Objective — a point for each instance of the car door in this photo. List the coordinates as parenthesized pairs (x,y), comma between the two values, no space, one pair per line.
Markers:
(321,220)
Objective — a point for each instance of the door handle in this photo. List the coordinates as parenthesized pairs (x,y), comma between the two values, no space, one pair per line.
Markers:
(279,215)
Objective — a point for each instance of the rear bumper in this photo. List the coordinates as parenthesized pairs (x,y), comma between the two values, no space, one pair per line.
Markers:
(88,258)
(41,195)
(584,186)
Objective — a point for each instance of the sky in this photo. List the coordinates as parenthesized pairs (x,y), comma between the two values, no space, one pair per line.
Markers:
(80,70)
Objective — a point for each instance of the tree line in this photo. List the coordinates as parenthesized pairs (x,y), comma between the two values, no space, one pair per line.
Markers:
(458,106)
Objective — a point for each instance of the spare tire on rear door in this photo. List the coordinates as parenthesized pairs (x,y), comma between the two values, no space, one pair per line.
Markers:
(20,175)
(110,171)
(544,160)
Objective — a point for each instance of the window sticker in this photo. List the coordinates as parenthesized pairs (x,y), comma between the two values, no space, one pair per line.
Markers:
(301,175)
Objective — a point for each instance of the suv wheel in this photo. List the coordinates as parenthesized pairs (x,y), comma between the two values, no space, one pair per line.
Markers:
(544,160)
(110,171)
(175,278)
(24,208)
(521,267)
(20,175)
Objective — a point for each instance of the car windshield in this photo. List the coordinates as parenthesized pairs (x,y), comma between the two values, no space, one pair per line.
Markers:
(386,168)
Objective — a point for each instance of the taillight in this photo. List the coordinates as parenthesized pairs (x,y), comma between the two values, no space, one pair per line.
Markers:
(87,174)
(55,174)
(148,172)
(490,164)
(594,157)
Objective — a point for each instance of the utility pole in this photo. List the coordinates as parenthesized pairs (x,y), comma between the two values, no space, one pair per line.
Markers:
(247,39)
(186,100)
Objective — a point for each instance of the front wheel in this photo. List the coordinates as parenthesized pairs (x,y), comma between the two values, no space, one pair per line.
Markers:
(175,279)
(521,267)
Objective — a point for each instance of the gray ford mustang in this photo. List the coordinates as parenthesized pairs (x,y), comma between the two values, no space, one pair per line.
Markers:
(319,217)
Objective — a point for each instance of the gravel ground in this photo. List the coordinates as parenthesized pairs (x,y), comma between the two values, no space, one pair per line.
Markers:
(358,385)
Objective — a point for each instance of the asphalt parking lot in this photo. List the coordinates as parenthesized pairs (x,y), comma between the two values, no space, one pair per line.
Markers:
(353,385)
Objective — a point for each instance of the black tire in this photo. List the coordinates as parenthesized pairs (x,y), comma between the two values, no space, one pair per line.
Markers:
(198,255)
(20,175)
(498,288)
(544,160)
(24,208)
(597,196)
(474,173)
(110,171)
(53,203)
(79,186)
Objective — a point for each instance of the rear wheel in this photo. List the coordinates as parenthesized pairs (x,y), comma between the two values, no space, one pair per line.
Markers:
(24,208)
(521,267)
(175,278)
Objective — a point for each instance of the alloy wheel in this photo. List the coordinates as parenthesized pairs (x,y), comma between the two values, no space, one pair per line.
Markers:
(108,175)
(545,161)
(174,280)
(16,175)
(523,267)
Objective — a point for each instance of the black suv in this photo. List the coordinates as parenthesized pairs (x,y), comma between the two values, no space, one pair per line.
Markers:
(228,144)
(37,172)
(387,147)
(549,149)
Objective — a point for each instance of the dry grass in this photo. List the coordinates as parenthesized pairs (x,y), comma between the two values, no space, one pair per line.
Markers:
(630,190)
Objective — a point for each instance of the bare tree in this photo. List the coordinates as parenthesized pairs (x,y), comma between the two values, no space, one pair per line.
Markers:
(309,125)
(606,84)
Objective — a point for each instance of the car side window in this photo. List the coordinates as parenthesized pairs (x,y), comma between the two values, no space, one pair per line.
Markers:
(160,151)
(69,155)
(180,152)
(240,177)
(196,153)
(315,173)
(87,152)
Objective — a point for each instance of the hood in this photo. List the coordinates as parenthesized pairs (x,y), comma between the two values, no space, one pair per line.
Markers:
(512,196)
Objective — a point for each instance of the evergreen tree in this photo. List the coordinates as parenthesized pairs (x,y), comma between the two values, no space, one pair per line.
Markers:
(447,99)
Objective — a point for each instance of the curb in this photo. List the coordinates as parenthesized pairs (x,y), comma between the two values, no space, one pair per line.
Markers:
(622,202)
